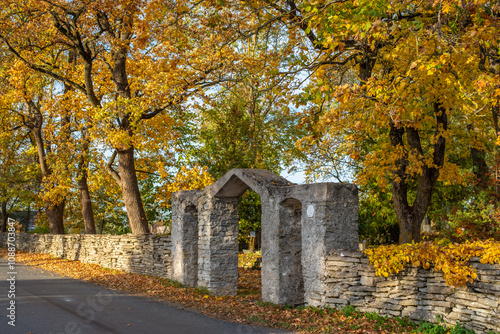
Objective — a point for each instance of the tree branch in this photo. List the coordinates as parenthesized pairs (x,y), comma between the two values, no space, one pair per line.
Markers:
(41,69)
(146,172)
(111,171)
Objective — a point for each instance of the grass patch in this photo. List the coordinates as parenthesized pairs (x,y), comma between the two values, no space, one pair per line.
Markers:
(349,311)
(203,291)
(440,328)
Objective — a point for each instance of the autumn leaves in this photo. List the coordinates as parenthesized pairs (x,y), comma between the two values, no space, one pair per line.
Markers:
(106,79)
(402,95)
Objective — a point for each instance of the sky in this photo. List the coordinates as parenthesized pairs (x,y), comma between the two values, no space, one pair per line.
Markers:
(296,177)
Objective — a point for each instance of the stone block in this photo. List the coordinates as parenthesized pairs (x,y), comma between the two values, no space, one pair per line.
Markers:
(367,280)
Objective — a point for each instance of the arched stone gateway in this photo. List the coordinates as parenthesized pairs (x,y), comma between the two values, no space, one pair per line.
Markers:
(301,225)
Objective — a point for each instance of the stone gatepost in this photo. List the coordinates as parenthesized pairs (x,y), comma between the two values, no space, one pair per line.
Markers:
(218,245)
(301,225)
(329,223)
(185,214)
(270,272)
(282,281)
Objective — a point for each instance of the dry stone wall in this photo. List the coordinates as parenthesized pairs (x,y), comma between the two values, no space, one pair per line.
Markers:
(142,254)
(417,293)
(347,278)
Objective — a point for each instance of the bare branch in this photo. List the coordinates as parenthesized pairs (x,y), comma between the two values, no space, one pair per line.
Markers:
(110,169)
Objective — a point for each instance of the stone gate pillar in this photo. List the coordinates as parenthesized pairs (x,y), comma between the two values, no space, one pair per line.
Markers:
(282,279)
(301,225)
(185,236)
(329,222)
(218,245)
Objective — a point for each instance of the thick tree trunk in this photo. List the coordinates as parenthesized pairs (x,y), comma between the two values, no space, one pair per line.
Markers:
(86,202)
(130,190)
(5,217)
(410,216)
(55,214)
(126,167)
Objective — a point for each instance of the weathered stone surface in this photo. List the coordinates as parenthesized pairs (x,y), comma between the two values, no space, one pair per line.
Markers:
(218,245)
(367,280)
(301,225)
(417,293)
(143,254)
(185,237)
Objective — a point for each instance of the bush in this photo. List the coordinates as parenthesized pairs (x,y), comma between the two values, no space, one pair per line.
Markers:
(477,219)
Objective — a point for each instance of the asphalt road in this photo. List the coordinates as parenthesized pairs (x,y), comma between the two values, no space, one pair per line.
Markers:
(46,304)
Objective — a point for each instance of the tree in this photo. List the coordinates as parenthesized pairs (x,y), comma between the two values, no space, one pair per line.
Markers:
(24,104)
(396,81)
(236,132)
(14,183)
(36,103)
(136,60)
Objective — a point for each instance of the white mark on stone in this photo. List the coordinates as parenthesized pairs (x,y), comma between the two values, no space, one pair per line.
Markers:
(310,211)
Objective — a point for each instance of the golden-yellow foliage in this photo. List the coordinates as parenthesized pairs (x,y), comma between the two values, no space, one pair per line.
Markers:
(451,259)
(186,179)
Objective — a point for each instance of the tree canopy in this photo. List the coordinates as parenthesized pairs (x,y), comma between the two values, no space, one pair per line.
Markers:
(400,97)
(403,91)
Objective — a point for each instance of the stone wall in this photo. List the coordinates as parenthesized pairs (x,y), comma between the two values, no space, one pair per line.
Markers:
(417,293)
(142,254)
(347,280)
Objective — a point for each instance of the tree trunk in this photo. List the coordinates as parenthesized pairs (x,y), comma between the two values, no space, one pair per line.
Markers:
(101,226)
(496,116)
(28,215)
(85,200)
(126,167)
(479,166)
(130,190)
(55,213)
(410,216)
(5,217)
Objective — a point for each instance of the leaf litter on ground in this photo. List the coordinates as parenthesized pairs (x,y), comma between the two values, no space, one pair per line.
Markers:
(246,307)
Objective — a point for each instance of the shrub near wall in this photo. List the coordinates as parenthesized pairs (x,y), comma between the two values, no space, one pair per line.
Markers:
(141,254)
(415,292)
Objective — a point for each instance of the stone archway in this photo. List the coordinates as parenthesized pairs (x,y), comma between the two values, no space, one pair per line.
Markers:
(219,236)
(301,224)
